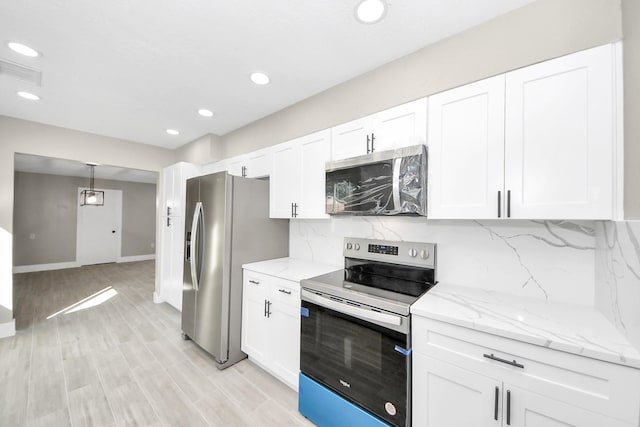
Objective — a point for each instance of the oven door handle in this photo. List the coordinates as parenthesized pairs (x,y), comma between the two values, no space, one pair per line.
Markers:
(354,311)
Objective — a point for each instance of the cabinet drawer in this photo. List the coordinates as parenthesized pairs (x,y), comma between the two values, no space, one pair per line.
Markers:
(256,280)
(286,292)
(603,387)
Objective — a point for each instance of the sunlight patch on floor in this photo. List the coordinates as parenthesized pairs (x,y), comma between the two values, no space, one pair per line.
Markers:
(88,302)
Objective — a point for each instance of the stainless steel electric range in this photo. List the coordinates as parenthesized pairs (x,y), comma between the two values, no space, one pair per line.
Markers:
(355,345)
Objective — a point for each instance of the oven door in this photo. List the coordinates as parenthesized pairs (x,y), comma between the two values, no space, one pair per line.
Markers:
(363,361)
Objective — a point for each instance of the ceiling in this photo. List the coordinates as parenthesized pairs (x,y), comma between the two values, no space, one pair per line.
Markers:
(49,165)
(131,69)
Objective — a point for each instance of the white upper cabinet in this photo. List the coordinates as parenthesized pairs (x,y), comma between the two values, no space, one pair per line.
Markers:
(297,184)
(466,150)
(351,139)
(400,126)
(535,143)
(396,127)
(559,137)
(256,164)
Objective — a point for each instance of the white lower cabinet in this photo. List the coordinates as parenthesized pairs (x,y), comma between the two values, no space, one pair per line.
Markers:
(463,378)
(271,324)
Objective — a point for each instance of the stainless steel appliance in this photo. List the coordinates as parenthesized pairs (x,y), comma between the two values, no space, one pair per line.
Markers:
(356,333)
(390,182)
(227,225)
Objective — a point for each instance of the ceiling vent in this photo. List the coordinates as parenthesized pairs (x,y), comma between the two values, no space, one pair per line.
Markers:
(20,72)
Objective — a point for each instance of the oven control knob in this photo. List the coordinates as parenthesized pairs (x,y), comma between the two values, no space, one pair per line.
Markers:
(356,246)
(349,246)
(424,254)
(413,253)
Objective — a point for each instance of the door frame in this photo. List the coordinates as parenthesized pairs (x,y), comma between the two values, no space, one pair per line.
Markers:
(79,229)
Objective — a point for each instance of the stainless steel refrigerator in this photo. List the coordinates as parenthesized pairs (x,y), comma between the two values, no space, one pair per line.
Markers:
(227,224)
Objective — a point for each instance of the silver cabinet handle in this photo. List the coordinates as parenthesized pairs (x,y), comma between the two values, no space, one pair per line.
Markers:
(284,291)
(499,359)
(255,282)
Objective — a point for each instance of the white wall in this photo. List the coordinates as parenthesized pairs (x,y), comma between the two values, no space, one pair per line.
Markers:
(21,136)
(618,276)
(549,260)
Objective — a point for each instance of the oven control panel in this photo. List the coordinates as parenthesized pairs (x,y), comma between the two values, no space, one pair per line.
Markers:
(410,253)
(383,249)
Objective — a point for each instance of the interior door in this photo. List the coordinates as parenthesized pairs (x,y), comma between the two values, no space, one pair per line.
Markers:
(99,232)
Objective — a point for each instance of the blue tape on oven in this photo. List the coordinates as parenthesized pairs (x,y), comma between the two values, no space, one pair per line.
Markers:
(404,351)
(304,311)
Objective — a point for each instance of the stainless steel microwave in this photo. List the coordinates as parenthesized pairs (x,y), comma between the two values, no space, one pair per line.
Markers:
(390,182)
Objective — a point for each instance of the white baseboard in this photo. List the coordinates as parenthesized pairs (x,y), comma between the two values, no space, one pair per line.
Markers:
(45,267)
(157,298)
(135,258)
(8,329)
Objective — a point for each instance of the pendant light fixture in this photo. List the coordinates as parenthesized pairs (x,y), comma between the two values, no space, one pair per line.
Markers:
(91,197)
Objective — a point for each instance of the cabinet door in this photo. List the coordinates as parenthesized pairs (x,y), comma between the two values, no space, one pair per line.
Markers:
(527,409)
(284,184)
(258,165)
(447,396)
(314,152)
(168,182)
(254,340)
(400,126)
(466,151)
(559,130)
(350,139)
(173,286)
(235,166)
(285,328)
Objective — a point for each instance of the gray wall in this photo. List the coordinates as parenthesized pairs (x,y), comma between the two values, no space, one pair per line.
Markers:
(22,136)
(631,26)
(47,206)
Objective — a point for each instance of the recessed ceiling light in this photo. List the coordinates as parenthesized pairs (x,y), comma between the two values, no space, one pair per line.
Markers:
(371,11)
(205,113)
(23,49)
(29,96)
(173,132)
(260,78)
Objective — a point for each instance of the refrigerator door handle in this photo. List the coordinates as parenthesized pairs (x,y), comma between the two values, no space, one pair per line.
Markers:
(194,245)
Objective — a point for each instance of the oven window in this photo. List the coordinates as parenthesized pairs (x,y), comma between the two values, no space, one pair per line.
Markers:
(356,359)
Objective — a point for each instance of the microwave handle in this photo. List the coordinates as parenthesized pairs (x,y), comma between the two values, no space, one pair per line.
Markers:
(354,311)
(396,184)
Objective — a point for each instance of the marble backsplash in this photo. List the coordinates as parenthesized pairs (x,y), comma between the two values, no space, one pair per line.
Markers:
(549,260)
(617,276)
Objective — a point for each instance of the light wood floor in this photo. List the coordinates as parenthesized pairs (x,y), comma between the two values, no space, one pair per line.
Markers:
(122,362)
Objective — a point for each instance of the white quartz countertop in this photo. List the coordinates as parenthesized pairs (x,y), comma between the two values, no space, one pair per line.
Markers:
(291,268)
(572,328)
